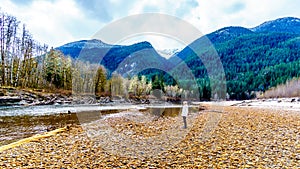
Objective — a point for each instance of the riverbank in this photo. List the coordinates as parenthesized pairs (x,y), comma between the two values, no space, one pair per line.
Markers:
(292,104)
(240,137)
(10,96)
(31,120)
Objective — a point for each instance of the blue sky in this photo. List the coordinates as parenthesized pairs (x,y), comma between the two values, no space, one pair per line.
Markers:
(56,22)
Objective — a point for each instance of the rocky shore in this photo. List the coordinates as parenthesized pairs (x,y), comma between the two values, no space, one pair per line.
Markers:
(236,137)
(10,96)
(13,96)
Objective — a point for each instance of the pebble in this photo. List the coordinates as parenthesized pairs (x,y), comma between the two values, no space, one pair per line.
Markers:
(244,138)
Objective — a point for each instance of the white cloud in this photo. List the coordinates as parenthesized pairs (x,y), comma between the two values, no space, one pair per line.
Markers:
(56,22)
(53,23)
(158,41)
(213,15)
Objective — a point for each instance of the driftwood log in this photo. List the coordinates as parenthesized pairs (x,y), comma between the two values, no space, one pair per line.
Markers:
(8,100)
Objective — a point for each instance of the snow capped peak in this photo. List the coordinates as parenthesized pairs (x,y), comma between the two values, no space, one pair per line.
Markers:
(167,53)
(287,25)
(93,43)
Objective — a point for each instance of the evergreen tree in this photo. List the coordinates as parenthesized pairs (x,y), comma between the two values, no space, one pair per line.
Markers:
(100,81)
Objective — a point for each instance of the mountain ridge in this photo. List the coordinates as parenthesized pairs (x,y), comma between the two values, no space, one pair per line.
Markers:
(286,24)
(252,60)
(251,57)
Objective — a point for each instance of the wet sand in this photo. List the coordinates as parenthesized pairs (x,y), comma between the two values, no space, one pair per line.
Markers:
(233,136)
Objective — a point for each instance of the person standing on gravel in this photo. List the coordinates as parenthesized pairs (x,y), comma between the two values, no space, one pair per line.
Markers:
(184,113)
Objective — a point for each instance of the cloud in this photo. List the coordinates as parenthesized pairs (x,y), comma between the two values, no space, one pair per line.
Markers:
(150,9)
(185,7)
(234,8)
(156,27)
(96,9)
(213,15)
(22,2)
(53,22)
(56,22)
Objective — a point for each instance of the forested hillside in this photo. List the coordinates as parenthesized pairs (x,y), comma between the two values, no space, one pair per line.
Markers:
(254,60)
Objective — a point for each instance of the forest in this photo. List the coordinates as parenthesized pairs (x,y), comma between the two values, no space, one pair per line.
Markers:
(253,63)
(25,63)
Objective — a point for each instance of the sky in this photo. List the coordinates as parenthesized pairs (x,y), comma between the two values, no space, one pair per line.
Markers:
(57,22)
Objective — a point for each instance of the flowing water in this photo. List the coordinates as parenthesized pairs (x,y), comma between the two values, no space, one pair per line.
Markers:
(17,122)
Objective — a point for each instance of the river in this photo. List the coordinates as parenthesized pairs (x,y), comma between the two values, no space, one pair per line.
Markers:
(17,122)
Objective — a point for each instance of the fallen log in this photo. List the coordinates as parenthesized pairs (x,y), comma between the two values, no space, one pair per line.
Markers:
(47,102)
(33,139)
(9,100)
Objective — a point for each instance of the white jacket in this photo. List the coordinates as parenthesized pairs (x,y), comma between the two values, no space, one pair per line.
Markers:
(185,110)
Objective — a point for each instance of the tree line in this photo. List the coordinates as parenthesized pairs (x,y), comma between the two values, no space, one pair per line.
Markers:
(25,63)
(290,89)
(252,63)
(17,50)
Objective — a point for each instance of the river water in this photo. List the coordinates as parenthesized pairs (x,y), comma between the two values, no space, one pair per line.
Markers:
(17,122)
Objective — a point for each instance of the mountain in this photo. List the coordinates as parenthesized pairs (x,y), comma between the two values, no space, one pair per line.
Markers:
(220,36)
(228,33)
(254,59)
(93,43)
(281,25)
(167,53)
(122,59)
(78,49)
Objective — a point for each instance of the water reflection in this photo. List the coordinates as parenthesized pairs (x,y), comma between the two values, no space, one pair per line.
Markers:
(165,112)
(13,128)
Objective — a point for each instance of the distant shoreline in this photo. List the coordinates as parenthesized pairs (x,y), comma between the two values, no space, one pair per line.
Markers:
(291,104)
